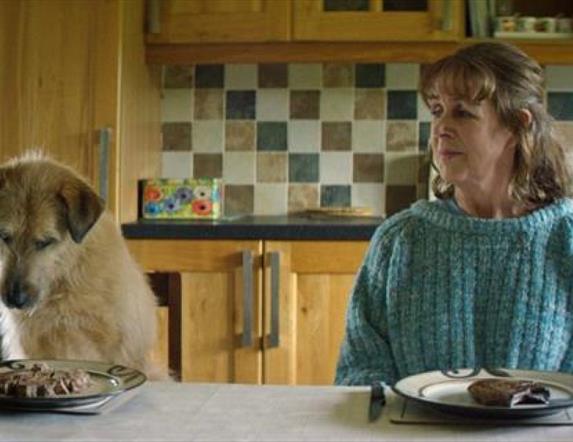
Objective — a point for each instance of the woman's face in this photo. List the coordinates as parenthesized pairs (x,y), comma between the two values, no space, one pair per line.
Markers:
(470,145)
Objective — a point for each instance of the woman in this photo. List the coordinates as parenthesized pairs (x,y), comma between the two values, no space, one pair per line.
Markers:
(484,275)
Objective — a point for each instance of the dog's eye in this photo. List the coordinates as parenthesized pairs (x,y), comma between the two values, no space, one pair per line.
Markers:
(5,237)
(43,243)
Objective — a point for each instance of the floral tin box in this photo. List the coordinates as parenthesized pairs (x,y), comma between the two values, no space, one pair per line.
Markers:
(164,198)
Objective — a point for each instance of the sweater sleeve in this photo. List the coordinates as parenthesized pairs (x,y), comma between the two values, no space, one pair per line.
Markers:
(365,355)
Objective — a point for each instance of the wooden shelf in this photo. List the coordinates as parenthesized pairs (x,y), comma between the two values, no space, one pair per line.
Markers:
(544,51)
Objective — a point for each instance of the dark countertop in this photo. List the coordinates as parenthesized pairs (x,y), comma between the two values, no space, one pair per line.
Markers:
(257,227)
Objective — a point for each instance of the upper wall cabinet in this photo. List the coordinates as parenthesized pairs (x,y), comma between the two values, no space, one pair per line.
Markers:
(377,20)
(221,21)
(75,83)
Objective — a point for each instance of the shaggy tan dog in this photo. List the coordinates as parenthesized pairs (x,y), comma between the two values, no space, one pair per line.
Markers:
(70,289)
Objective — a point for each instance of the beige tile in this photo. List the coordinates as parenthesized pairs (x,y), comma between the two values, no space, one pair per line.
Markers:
(368,168)
(302,197)
(241,76)
(337,135)
(402,168)
(305,75)
(208,104)
(272,104)
(304,136)
(239,167)
(271,199)
(305,105)
(176,105)
(402,75)
(369,104)
(239,200)
(335,167)
(370,195)
(177,164)
(338,75)
(207,136)
(239,135)
(271,167)
(369,136)
(207,165)
(401,136)
(336,104)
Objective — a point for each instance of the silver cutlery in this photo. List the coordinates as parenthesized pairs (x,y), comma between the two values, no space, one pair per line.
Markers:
(377,401)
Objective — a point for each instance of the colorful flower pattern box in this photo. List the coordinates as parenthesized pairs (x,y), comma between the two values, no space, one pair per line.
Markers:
(181,198)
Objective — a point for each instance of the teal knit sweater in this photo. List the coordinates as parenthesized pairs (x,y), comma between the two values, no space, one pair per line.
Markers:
(439,289)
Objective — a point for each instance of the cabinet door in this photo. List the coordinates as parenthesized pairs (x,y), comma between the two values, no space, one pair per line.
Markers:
(215,279)
(313,279)
(377,20)
(222,21)
(47,50)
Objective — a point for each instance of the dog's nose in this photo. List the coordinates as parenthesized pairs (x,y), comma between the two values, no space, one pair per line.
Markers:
(16,297)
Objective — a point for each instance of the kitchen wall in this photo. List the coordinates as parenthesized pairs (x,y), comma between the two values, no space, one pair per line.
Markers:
(286,137)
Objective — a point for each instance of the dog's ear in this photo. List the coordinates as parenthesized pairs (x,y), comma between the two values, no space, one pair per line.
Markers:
(82,208)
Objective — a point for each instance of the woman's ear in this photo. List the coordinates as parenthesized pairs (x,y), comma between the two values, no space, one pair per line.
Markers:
(525,117)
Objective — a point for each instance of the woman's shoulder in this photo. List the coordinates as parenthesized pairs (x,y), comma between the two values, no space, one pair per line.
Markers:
(400,222)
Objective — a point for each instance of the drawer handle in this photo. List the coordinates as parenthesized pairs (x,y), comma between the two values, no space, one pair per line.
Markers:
(247,336)
(103,161)
(273,339)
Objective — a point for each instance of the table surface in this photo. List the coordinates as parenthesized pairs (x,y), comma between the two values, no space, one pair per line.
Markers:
(165,411)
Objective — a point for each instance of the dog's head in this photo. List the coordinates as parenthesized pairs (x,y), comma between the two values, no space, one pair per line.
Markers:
(46,211)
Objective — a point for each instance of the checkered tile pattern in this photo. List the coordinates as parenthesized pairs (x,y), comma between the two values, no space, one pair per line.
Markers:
(287,137)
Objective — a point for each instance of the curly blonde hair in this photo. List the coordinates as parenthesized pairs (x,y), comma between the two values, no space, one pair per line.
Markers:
(513,82)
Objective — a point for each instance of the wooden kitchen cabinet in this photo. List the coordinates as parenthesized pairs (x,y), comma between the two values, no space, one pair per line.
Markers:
(377,20)
(312,281)
(218,21)
(298,292)
(74,83)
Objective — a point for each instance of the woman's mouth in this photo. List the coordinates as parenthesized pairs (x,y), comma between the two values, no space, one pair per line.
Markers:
(448,154)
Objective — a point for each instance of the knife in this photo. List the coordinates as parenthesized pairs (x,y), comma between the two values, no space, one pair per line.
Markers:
(377,401)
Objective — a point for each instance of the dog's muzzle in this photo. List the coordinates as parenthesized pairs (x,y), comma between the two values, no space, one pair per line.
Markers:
(17,296)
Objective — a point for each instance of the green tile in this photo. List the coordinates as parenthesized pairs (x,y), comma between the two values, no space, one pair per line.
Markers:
(271,136)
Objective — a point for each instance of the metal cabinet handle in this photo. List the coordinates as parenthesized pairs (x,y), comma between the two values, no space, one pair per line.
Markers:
(153,22)
(273,339)
(103,156)
(247,336)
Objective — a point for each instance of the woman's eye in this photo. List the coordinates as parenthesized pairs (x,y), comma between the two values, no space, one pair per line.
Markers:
(464,113)
(43,243)
(436,111)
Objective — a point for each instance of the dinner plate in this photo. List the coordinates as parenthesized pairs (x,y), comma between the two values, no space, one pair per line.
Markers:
(448,391)
(107,380)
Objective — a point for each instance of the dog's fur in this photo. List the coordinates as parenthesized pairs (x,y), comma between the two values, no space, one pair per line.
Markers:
(70,289)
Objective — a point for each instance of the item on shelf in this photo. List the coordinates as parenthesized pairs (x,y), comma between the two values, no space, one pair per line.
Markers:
(165,198)
(564,24)
(546,24)
(505,24)
(526,24)
(526,27)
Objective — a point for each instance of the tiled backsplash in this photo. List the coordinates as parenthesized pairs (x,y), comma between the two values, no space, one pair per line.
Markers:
(286,137)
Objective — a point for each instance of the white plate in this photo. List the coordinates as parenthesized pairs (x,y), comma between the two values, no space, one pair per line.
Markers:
(448,391)
(107,380)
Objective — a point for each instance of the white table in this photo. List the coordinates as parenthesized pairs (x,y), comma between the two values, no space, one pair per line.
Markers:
(224,412)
